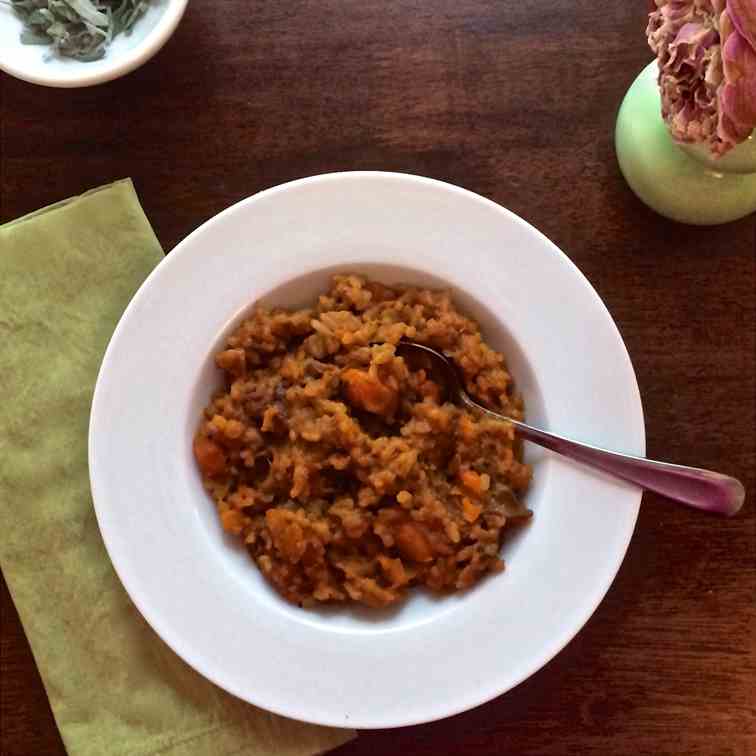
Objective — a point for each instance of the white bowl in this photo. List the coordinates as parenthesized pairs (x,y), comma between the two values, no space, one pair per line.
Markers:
(431,657)
(35,64)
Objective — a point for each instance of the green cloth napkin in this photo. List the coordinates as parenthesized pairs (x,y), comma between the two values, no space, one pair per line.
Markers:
(66,275)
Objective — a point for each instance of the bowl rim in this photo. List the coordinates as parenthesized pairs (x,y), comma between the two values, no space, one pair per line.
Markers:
(118,66)
(295,709)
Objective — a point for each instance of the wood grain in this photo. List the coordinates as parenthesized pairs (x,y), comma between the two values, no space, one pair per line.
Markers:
(515,101)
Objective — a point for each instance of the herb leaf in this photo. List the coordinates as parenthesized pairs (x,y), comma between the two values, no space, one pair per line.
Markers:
(80,29)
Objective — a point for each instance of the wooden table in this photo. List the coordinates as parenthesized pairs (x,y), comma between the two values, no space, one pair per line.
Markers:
(516,101)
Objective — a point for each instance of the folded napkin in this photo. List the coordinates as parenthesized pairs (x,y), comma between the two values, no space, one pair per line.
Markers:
(66,274)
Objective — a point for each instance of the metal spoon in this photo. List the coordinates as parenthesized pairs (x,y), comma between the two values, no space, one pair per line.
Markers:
(697,488)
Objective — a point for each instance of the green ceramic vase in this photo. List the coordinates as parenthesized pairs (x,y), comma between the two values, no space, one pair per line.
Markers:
(683,182)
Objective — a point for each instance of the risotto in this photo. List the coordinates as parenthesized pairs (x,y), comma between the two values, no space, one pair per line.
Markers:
(342,468)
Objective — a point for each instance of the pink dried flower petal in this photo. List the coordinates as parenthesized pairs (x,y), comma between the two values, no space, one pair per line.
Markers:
(743,16)
(737,95)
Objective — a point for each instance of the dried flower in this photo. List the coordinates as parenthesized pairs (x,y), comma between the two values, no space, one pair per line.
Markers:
(707,69)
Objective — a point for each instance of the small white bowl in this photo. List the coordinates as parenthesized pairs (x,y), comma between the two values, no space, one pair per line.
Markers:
(36,64)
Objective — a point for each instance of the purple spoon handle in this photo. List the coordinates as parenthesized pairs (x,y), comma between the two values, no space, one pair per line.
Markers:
(698,488)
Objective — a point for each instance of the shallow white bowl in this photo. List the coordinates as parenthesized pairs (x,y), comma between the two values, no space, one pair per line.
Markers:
(35,64)
(201,592)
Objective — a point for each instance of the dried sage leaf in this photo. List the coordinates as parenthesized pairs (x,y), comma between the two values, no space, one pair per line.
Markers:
(80,29)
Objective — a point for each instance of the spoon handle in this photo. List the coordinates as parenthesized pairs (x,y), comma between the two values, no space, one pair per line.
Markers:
(698,488)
